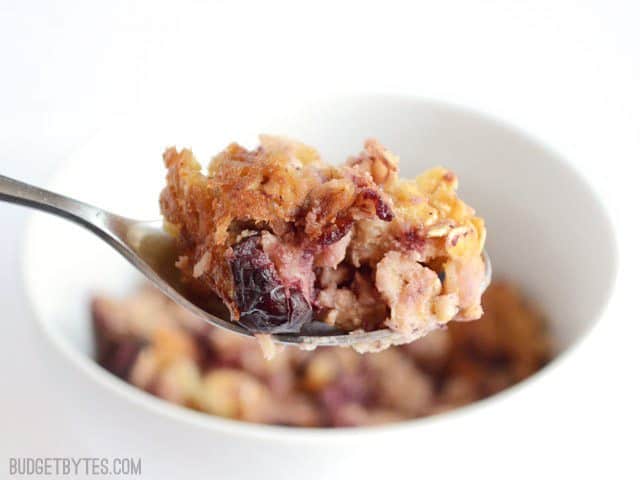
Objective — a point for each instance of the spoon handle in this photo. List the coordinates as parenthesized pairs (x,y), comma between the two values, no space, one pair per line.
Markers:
(15,191)
(108,226)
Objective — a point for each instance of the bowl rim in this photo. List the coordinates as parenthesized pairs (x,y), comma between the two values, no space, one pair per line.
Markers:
(238,428)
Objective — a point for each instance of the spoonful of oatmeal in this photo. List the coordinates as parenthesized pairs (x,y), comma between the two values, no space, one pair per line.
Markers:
(275,243)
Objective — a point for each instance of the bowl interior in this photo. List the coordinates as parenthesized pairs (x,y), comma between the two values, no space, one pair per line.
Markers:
(546,230)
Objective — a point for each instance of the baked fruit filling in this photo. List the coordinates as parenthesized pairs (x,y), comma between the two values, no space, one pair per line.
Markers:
(162,348)
(284,238)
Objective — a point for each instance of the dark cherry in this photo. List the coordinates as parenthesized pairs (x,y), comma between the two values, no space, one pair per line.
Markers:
(349,388)
(118,354)
(265,304)
(115,352)
(383,210)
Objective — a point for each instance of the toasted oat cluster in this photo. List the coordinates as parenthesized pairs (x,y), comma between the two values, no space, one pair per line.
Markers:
(161,348)
(284,238)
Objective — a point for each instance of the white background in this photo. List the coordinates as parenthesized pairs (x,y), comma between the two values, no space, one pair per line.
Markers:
(568,72)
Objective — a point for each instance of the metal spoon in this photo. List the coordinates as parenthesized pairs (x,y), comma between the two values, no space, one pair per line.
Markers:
(152,251)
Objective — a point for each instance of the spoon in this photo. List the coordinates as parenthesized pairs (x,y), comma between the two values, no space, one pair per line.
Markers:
(152,251)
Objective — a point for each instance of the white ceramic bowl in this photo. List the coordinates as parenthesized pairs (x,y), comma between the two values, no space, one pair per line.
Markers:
(547,231)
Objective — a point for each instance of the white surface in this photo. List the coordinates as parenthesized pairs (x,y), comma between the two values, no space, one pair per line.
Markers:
(565,71)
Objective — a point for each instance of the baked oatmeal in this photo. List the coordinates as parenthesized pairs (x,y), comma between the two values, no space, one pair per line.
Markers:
(158,346)
(283,238)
